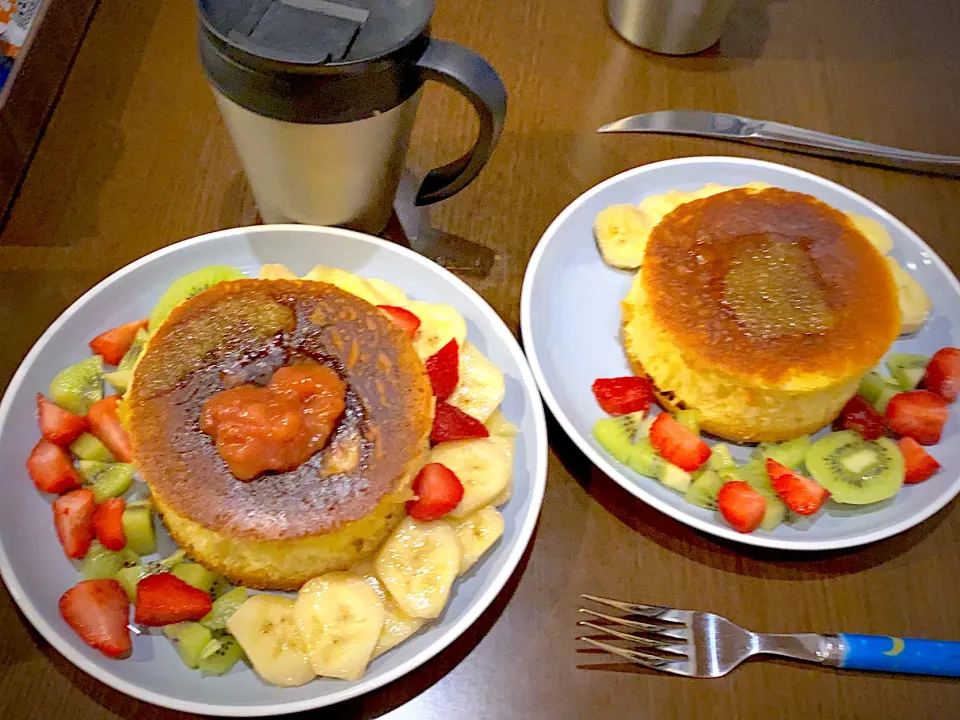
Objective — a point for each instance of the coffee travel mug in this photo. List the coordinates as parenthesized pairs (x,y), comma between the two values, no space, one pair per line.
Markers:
(672,27)
(320,97)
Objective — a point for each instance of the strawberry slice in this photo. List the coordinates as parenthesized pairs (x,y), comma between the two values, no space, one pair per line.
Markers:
(741,506)
(73,519)
(105,424)
(801,494)
(113,344)
(438,492)
(919,464)
(51,468)
(407,321)
(98,611)
(451,423)
(165,599)
(58,425)
(624,395)
(443,369)
(861,416)
(943,374)
(678,445)
(918,414)
(108,524)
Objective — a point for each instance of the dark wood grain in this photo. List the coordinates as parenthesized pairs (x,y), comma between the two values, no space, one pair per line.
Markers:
(136,157)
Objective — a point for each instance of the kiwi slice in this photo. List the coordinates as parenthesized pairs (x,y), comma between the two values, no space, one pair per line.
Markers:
(789,453)
(100,563)
(703,490)
(121,378)
(106,479)
(618,434)
(754,473)
(186,287)
(79,386)
(192,638)
(676,478)
(219,587)
(223,608)
(690,419)
(774,513)
(908,370)
(877,389)
(139,530)
(645,460)
(196,575)
(220,660)
(87,447)
(856,471)
(129,576)
(720,457)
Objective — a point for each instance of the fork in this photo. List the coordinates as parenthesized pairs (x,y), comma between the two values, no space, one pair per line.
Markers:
(699,644)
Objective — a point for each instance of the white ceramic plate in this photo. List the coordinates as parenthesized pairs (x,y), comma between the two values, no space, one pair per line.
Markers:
(33,564)
(570,317)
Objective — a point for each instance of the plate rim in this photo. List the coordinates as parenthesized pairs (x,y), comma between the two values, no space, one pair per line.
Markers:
(539,446)
(678,514)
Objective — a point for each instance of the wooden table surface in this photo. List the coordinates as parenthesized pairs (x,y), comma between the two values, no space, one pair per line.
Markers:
(136,157)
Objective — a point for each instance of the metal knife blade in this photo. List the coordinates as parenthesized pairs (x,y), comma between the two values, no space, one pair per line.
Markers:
(723,126)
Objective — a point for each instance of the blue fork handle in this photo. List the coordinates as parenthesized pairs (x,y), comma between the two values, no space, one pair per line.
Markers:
(900,655)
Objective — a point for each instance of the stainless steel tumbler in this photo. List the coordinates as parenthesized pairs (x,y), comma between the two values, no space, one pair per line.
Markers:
(672,27)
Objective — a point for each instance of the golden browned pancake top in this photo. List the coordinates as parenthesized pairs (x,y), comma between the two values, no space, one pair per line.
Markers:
(770,283)
(242,331)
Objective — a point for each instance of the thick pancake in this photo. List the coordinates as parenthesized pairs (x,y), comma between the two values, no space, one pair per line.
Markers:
(242,331)
(770,284)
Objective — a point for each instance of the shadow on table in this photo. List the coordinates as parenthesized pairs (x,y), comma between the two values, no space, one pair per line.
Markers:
(723,554)
(366,707)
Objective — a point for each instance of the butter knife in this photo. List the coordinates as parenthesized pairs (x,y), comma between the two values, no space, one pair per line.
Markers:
(734,128)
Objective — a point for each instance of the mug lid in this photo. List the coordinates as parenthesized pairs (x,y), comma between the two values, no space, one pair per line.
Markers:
(315,33)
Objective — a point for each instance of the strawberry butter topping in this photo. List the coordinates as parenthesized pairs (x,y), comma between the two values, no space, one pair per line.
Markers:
(278,426)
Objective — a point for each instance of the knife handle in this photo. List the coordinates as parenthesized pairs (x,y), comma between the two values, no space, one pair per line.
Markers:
(900,655)
(788,137)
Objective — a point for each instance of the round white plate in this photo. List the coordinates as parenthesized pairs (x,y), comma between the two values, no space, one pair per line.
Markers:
(570,317)
(33,564)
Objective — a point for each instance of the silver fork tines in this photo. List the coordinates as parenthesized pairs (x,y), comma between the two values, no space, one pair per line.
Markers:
(696,644)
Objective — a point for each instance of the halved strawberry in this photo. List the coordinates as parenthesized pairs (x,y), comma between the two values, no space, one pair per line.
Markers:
(73,519)
(676,444)
(451,423)
(105,424)
(919,464)
(58,425)
(861,416)
(113,344)
(51,468)
(943,373)
(443,369)
(165,599)
(438,492)
(801,494)
(407,321)
(918,414)
(624,395)
(741,505)
(108,524)
(98,611)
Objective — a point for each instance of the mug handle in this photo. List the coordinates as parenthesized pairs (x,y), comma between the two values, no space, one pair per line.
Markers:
(471,75)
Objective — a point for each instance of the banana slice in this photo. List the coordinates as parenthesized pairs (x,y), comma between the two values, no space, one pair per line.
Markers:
(346,281)
(497,424)
(339,617)
(480,388)
(418,564)
(915,305)
(482,465)
(477,533)
(873,231)
(397,625)
(391,294)
(621,232)
(276,271)
(438,325)
(504,496)
(265,628)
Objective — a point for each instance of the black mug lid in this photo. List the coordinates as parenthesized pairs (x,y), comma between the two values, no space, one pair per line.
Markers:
(314,61)
(315,32)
